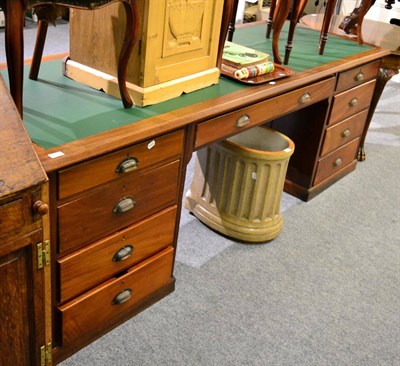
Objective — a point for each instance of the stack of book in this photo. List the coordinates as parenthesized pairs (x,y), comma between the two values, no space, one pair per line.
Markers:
(244,61)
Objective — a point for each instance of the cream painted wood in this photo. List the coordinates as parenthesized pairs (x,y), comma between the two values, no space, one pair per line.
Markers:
(176,51)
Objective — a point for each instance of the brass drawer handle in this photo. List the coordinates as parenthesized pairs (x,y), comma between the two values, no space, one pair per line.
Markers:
(353,102)
(305,98)
(242,121)
(359,77)
(127,165)
(346,133)
(125,204)
(123,253)
(337,162)
(122,297)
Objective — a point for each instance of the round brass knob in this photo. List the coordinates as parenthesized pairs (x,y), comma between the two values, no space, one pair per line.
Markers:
(359,77)
(41,208)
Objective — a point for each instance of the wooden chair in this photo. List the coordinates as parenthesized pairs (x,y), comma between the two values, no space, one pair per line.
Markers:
(14,11)
(352,23)
(279,11)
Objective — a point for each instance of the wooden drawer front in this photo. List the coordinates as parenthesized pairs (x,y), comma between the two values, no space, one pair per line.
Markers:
(242,119)
(93,216)
(104,169)
(343,132)
(11,217)
(351,102)
(97,310)
(336,160)
(357,76)
(95,263)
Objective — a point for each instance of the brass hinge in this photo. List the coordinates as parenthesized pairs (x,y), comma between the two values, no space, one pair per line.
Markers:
(43,254)
(45,355)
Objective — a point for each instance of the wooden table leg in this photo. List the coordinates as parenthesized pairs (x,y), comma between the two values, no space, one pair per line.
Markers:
(383,77)
(14,13)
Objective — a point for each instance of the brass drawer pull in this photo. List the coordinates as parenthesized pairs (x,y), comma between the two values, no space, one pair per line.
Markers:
(122,297)
(353,102)
(359,77)
(127,165)
(123,253)
(305,98)
(242,121)
(346,133)
(125,204)
(337,162)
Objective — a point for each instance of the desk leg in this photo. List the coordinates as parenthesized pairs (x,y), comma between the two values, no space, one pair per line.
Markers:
(383,77)
(14,12)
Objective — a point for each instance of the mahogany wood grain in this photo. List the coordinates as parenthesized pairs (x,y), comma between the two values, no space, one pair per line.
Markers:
(95,263)
(343,132)
(352,101)
(91,217)
(336,160)
(92,312)
(224,126)
(94,146)
(84,176)
(358,75)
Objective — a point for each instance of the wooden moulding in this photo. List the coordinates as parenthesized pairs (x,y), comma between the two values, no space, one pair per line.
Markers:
(140,96)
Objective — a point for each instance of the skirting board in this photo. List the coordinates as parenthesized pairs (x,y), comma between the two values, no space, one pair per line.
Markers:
(141,96)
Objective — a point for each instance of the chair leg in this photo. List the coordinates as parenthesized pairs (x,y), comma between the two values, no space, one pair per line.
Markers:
(282,11)
(232,20)
(330,6)
(228,13)
(131,34)
(270,20)
(297,10)
(14,42)
(38,51)
(365,6)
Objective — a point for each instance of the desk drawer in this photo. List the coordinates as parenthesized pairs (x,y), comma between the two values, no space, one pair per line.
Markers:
(97,310)
(105,169)
(358,75)
(242,119)
(351,102)
(117,205)
(84,269)
(343,132)
(336,160)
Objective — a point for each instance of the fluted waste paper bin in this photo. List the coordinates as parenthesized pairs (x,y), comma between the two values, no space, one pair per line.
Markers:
(238,183)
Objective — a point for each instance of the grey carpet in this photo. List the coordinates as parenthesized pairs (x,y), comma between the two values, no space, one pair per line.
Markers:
(324,292)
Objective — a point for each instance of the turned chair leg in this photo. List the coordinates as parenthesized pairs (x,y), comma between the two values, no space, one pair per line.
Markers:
(270,20)
(38,50)
(282,11)
(330,6)
(297,10)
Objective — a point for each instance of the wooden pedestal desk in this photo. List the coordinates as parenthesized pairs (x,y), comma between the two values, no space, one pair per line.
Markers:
(116,176)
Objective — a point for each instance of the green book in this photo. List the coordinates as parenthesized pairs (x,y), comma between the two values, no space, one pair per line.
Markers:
(236,55)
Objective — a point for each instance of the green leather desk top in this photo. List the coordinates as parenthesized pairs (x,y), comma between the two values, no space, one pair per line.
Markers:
(58,110)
